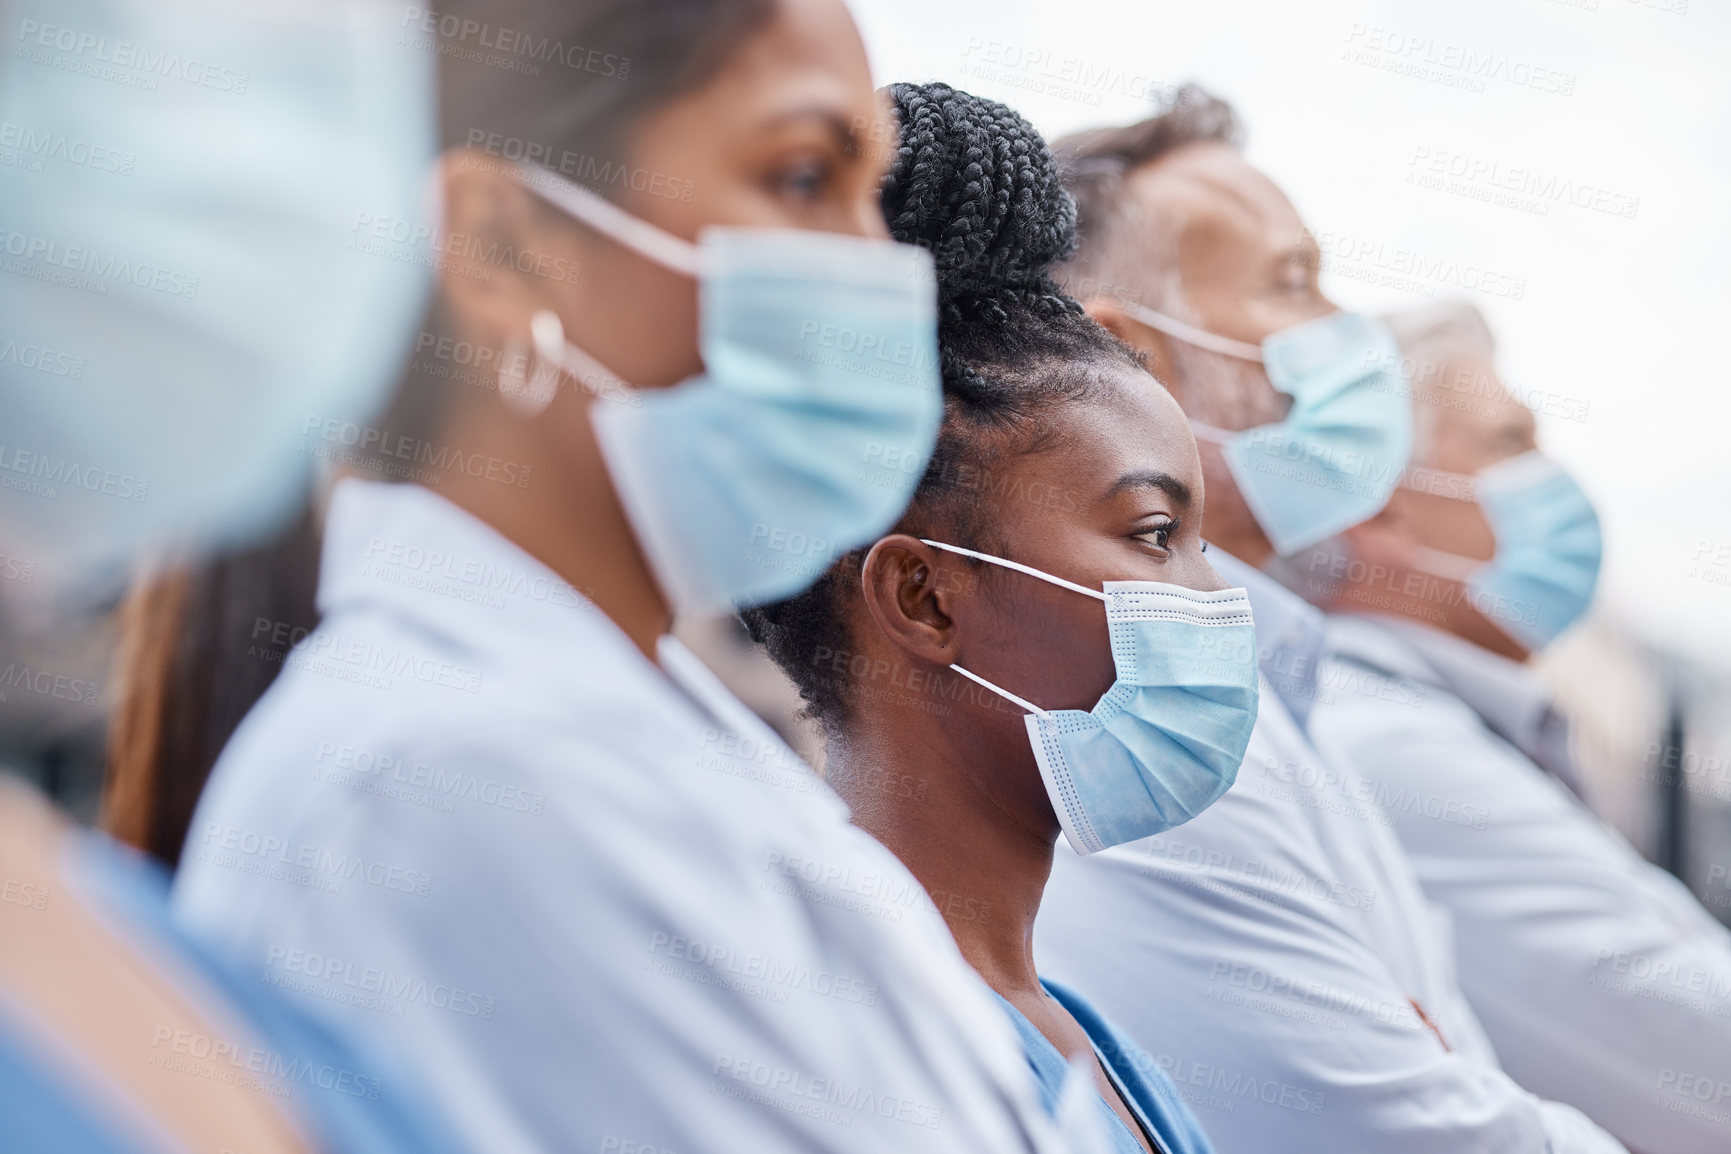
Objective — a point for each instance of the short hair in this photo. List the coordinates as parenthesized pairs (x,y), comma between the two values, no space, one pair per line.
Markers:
(1096,165)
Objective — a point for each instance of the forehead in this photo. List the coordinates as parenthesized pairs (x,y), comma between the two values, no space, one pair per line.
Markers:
(806,47)
(1207,200)
(1132,425)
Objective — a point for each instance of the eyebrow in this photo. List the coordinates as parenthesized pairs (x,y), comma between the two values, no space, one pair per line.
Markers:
(1151,479)
(845,131)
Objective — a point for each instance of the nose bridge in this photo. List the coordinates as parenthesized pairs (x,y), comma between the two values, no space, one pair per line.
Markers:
(1211,581)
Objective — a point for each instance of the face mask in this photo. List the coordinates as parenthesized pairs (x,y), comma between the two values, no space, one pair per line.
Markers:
(213,273)
(1336,458)
(1166,740)
(1546,566)
(811,425)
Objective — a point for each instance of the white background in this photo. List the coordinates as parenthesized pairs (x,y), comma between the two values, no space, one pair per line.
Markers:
(1624,317)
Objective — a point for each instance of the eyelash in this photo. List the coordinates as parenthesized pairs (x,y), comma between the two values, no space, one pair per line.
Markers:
(803,181)
(1167,527)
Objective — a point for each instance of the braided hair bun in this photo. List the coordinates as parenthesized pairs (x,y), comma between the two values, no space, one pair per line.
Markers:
(976,186)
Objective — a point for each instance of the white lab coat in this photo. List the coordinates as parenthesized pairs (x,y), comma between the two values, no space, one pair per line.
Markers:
(599,901)
(1601,980)
(1269,954)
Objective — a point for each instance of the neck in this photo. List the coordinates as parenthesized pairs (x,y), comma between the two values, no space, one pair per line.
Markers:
(1451,613)
(984,866)
(1486,634)
(568,515)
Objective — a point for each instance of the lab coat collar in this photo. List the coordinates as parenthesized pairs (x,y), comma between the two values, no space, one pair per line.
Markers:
(1290,632)
(1507,696)
(404,548)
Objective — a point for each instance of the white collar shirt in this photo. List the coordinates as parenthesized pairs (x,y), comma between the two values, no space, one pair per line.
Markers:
(1276,958)
(1600,979)
(1289,632)
(601,903)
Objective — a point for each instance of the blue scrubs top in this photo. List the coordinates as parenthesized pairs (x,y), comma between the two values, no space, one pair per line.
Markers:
(45,1107)
(1142,1084)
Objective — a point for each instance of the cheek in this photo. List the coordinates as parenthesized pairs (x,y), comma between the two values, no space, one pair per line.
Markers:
(638,319)
(1458,527)
(1465,530)
(1065,655)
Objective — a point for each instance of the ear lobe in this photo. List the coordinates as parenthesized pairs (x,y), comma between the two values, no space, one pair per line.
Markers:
(908,596)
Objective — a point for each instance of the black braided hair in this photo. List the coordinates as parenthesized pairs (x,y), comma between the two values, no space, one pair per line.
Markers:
(974,184)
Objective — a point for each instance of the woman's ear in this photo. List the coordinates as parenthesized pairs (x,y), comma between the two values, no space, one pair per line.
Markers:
(487,211)
(911,590)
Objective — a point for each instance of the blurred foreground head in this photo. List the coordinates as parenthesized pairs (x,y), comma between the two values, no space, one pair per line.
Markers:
(682,113)
(185,280)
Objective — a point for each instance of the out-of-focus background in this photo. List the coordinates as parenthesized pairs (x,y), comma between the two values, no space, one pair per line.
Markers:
(1553,161)
(1561,163)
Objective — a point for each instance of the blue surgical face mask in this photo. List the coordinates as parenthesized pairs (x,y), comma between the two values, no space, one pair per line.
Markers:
(811,425)
(1546,566)
(207,270)
(1166,740)
(1336,458)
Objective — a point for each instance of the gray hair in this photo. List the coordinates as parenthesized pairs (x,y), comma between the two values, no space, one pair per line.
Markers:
(1112,260)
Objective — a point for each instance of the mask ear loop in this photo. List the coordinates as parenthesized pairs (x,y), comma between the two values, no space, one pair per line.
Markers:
(1191,335)
(1465,485)
(1439,562)
(1002,692)
(1213,433)
(613,222)
(596,379)
(1020,568)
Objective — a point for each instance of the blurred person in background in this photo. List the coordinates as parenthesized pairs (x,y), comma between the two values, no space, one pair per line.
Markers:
(1598,976)
(117,1033)
(490,809)
(1277,954)
(1051,550)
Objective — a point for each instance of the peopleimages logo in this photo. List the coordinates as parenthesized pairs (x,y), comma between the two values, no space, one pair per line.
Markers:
(510,48)
(42,360)
(267,1064)
(105,268)
(401,447)
(39,146)
(95,52)
(48,472)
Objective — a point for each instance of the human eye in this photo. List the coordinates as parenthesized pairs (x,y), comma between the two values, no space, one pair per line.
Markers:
(1158,535)
(802,181)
